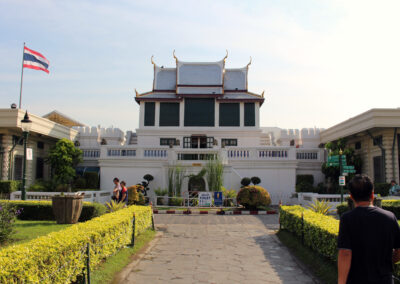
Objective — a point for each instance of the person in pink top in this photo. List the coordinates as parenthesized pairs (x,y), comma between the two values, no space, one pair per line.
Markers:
(116,190)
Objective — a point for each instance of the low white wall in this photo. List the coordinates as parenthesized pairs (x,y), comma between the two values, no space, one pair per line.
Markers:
(90,196)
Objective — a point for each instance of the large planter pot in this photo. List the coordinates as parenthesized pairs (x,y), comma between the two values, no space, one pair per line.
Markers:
(67,209)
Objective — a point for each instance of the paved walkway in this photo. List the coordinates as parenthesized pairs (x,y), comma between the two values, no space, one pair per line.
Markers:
(217,249)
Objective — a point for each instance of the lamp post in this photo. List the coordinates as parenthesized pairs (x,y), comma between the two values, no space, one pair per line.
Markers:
(340,173)
(26,125)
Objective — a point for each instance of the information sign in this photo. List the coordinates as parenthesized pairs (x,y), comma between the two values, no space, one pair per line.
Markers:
(342,180)
(218,198)
(205,198)
(29,154)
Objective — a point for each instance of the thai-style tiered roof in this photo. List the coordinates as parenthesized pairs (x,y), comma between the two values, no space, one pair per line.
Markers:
(200,79)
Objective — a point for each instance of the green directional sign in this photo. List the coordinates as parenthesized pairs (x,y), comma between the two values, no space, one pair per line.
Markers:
(348,167)
(349,171)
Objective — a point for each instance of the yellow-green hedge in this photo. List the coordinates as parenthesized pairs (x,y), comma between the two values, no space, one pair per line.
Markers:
(320,231)
(59,257)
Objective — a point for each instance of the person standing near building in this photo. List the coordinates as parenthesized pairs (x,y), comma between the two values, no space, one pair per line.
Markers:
(395,188)
(123,196)
(369,238)
(116,190)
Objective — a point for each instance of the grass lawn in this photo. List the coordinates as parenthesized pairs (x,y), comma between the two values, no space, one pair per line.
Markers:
(322,268)
(105,272)
(28,230)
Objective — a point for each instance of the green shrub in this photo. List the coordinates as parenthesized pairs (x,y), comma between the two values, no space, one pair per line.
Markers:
(59,257)
(176,201)
(341,208)
(389,205)
(322,207)
(42,210)
(255,180)
(252,197)
(8,186)
(382,188)
(319,231)
(37,187)
(8,213)
(92,179)
(309,179)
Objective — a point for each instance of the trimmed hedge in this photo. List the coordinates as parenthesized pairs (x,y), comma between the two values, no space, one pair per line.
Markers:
(319,231)
(305,183)
(42,210)
(8,186)
(389,205)
(59,257)
(253,196)
(92,179)
(382,188)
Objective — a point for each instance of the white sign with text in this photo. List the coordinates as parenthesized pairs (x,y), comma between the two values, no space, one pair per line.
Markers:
(205,199)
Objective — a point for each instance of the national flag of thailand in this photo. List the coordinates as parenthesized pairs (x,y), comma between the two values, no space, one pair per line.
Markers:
(34,60)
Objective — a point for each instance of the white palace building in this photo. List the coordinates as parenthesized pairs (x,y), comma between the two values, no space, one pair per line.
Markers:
(198,109)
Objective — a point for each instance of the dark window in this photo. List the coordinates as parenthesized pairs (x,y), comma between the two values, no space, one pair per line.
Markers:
(249,114)
(358,145)
(18,167)
(149,113)
(199,112)
(167,141)
(186,142)
(39,167)
(18,140)
(378,140)
(229,142)
(169,114)
(40,145)
(229,114)
(378,171)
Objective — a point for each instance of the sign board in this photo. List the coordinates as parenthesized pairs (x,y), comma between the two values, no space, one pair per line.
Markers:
(218,198)
(205,199)
(29,154)
(348,167)
(349,171)
(342,180)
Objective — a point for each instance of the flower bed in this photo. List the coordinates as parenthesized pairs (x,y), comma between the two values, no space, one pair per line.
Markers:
(60,257)
(42,210)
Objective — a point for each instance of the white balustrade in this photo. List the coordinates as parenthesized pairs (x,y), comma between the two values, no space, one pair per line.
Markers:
(90,196)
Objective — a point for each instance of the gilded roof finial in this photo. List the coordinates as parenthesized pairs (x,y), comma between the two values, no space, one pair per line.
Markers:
(173,53)
(262,94)
(137,94)
(249,62)
(152,61)
(226,56)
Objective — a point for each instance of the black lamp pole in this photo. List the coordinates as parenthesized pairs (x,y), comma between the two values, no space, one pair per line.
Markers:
(26,124)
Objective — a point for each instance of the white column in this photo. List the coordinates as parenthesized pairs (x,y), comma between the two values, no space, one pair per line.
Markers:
(157,115)
(7,144)
(241,114)
(141,114)
(216,114)
(257,114)
(182,114)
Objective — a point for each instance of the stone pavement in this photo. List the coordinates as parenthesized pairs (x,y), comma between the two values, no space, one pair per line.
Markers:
(217,249)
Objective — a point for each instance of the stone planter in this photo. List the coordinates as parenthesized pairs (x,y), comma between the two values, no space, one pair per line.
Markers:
(67,209)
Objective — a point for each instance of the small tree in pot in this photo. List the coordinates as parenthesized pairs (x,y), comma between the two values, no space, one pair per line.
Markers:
(63,158)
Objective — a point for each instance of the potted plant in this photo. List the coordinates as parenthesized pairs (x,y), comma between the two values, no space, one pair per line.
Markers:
(63,158)
(160,195)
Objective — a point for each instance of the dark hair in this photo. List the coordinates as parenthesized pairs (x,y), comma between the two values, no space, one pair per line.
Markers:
(361,188)
(123,183)
(116,179)
(392,181)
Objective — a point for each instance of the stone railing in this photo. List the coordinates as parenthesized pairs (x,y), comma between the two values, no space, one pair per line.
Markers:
(305,198)
(310,154)
(90,196)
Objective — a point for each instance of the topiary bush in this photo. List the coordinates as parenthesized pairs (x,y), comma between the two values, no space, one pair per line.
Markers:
(255,180)
(304,183)
(252,197)
(245,181)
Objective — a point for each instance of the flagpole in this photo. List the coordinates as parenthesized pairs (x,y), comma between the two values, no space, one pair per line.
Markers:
(22,76)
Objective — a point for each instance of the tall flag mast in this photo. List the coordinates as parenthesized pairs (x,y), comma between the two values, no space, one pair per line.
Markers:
(33,60)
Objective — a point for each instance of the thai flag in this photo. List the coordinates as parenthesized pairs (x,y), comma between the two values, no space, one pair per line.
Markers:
(34,60)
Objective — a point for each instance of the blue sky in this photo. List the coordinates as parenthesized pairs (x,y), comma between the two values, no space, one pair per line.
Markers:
(319,62)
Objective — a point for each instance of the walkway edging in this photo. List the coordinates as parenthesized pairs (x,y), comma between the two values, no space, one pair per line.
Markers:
(214,212)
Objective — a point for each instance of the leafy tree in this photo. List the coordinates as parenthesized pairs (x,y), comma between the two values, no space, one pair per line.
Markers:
(63,158)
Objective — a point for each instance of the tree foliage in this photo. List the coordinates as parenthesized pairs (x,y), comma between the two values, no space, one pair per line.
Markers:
(63,158)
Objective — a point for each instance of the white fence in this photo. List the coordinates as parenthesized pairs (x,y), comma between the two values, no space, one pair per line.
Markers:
(305,198)
(90,196)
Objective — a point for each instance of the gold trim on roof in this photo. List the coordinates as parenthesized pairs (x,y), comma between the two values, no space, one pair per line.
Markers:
(152,61)
(226,56)
(262,94)
(173,53)
(137,93)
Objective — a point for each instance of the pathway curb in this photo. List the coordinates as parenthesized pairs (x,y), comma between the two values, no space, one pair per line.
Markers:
(214,212)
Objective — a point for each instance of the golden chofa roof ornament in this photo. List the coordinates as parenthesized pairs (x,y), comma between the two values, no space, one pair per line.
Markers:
(249,62)
(262,94)
(226,56)
(137,94)
(173,53)
(152,61)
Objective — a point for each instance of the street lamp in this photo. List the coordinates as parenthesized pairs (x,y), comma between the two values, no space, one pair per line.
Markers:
(26,125)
